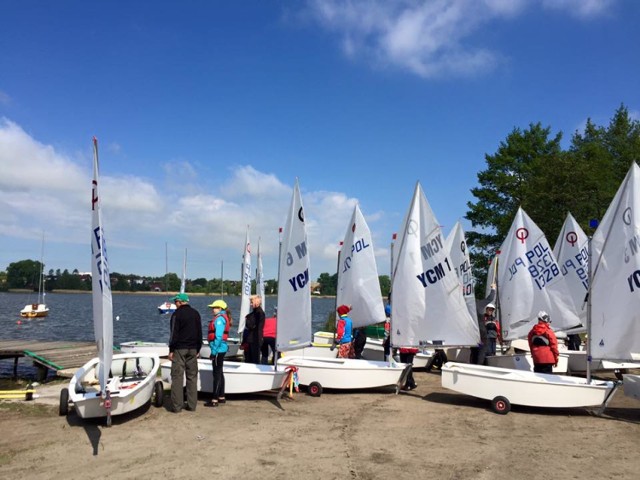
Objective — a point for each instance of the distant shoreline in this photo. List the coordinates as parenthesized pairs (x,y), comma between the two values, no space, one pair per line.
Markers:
(161,294)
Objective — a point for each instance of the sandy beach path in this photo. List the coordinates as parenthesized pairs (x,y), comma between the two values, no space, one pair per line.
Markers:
(427,433)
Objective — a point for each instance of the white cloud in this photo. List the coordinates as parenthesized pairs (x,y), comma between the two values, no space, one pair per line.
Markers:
(428,38)
(4,98)
(580,8)
(42,189)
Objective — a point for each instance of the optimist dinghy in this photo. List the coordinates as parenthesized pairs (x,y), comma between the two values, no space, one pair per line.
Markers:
(109,384)
(505,386)
(132,382)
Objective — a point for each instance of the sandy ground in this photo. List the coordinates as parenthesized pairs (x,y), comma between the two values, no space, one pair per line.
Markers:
(426,433)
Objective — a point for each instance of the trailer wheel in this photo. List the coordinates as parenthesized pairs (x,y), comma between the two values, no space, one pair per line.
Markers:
(315,389)
(501,405)
(158,394)
(64,402)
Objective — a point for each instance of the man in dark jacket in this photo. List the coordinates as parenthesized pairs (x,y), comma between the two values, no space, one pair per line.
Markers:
(254,323)
(184,348)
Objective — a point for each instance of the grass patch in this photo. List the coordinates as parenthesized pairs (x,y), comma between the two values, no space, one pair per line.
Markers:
(6,457)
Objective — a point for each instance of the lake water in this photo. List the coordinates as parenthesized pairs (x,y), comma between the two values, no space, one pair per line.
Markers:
(135,318)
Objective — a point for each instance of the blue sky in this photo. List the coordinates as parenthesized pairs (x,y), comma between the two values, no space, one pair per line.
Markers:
(206,112)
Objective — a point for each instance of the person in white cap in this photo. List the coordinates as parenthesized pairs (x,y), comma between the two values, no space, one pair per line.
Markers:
(543,344)
(478,353)
(493,329)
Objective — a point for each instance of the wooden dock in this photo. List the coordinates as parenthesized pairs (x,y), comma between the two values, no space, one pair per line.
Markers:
(63,357)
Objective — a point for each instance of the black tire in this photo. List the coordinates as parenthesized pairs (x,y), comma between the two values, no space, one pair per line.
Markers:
(158,394)
(501,405)
(64,402)
(315,389)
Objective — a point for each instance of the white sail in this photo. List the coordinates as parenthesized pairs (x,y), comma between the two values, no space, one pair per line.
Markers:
(529,280)
(459,254)
(358,283)
(492,273)
(100,281)
(260,277)
(615,291)
(427,300)
(245,294)
(183,282)
(294,290)
(571,252)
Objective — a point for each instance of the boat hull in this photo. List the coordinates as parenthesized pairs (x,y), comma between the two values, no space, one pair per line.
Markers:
(232,342)
(345,373)
(150,348)
(524,388)
(524,361)
(128,391)
(38,310)
(238,377)
(315,350)
(631,386)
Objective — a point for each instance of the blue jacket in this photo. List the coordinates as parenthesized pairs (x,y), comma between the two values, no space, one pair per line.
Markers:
(345,330)
(219,345)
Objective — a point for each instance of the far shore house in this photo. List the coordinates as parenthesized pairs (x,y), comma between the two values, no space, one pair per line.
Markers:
(315,288)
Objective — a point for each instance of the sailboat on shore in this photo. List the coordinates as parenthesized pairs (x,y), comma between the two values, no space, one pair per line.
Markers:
(529,280)
(358,284)
(38,309)
(613,323)
(108,384)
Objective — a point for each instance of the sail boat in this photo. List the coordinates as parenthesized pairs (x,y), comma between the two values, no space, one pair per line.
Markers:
(169,307)
(613,331)
(359,286)
(245,282)
(39,309)
(429,309)
(530,280)
(108,384)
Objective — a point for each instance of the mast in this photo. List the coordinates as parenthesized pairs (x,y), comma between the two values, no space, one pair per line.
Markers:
(222,279)
(275,353)
(166,267)
(589,312)
(335,304)
(41,292)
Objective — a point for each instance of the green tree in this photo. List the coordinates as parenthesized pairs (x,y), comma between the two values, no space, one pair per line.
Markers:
(24,274)
(328,283)
(530,170)
(506,184)
(385,285)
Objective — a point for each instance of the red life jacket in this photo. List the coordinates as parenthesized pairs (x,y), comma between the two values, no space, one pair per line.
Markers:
(211,336)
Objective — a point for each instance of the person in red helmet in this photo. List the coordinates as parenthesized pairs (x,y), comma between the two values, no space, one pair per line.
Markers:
(344,333)
(543,344)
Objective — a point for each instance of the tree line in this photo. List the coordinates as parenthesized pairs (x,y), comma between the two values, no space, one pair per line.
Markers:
(25,274)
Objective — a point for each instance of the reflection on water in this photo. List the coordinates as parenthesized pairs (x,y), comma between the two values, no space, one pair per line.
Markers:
(135,318)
